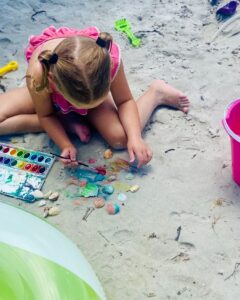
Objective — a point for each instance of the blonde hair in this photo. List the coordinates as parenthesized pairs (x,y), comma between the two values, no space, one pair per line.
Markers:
(81,68)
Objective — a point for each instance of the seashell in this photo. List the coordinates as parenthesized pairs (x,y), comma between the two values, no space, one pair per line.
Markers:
(46,196)
(108,154)
(42,203)
(37,194)
(112,209)
(54,196)
(122,197)
(111,178)
(108,189)
(99,202)
(46,212)
(99,177)
(134,188)
(129,176)
(53,211)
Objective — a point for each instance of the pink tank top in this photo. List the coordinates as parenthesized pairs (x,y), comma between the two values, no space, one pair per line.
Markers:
(52,33)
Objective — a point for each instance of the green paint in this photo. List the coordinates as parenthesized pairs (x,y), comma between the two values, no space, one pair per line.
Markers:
(89,190)
(9,179)
(27,276)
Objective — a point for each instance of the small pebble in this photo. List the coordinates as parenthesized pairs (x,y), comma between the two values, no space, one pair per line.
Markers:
(54,196)
(37,194)
(53,211)
(129,176)
(108,189)
(112,209)
(122,197)
(99,202)
(108,154)
(42,203)
(134,188)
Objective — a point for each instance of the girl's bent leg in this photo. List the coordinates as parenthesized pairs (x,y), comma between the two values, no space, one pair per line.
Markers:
(106,120)
(17,114)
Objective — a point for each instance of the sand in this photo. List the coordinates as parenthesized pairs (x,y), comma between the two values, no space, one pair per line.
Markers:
(135,254)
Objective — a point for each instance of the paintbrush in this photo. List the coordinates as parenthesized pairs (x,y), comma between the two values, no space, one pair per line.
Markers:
(99,170)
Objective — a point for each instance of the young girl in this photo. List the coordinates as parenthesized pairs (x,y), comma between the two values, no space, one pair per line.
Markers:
(77,75)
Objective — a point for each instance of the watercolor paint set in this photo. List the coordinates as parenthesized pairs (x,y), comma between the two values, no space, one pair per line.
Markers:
(22,171)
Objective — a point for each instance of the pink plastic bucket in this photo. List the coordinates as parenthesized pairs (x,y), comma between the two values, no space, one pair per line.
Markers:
(231,123)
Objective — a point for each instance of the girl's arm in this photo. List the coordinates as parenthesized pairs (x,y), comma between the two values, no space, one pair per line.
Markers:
(128,114)
(49,121)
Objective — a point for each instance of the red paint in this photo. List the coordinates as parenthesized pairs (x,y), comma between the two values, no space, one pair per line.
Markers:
(34,168)
(101,170)
(27,166)
(6,150)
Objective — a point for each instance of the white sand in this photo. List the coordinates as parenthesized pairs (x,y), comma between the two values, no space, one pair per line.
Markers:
(182,185)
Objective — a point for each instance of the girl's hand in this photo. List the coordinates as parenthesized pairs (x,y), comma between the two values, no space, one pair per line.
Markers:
(137,147)
(70,153)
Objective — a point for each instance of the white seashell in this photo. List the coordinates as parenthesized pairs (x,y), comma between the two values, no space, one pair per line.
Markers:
(54,196)
(37,194)
(53,211)
(47,195)
(122,197)
(134,188)
(42,203)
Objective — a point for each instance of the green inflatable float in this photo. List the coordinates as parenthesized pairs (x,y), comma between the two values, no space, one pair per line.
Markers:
(37,262)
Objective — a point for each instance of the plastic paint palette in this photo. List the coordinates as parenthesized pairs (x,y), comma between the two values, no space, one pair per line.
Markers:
(23,171)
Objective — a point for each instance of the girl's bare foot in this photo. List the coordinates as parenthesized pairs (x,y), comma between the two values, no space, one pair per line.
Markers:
(168,95)
(82,131)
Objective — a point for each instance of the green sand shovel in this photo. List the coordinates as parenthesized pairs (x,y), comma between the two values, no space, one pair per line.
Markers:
(124,26)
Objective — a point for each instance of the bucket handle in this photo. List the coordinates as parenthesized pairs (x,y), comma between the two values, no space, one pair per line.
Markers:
(225,124)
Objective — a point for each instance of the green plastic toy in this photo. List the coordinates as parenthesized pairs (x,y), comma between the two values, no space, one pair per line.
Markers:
(124,26)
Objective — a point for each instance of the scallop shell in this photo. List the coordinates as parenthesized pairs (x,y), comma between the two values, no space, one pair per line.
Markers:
(37,194)
(53,211)
(108,154)
(99,202)
(54,196)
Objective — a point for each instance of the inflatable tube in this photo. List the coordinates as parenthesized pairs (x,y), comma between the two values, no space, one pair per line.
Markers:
(38,262)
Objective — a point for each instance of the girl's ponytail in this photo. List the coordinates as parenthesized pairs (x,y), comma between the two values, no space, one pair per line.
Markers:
(46,58)
(105,40)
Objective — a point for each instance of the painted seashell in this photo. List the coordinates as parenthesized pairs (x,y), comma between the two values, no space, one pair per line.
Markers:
(111,178)
(134,188)
(37,194)
(54,196)
(129,176)
(42,203)
(108,154)
(108,189)
(122,197)
(53,211)
(99,202)
(112,209)
(99,177)
(46,196)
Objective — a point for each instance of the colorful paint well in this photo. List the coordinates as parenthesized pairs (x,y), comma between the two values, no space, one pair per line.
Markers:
(22,171)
